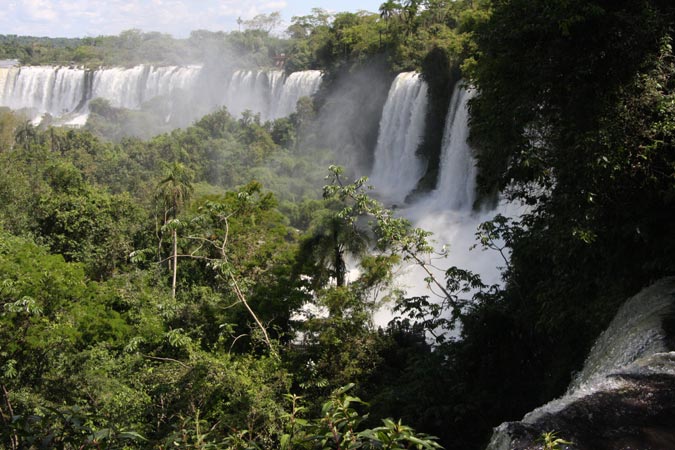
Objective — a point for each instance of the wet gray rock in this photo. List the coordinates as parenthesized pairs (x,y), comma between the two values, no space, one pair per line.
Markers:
(624,398)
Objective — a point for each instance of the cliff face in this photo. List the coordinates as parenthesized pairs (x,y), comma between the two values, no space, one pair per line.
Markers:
(624,398)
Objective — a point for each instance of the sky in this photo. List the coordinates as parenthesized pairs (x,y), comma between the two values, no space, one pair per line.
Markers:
(88,18)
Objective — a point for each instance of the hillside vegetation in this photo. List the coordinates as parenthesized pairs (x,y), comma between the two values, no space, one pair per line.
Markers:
(190,290)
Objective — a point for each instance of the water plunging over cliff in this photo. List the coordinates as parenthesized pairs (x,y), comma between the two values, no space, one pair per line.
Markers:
(269,92)
(130,88)
(295,86)
(447,211)
(65,92)
(44,89)
(398,168)
(457,175)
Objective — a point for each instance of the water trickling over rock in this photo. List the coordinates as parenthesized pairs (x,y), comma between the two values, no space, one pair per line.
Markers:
(624,398)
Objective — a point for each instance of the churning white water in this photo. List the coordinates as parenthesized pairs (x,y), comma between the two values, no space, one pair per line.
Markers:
(448,211)
(397,168)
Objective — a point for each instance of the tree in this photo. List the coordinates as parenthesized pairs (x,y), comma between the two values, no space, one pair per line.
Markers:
(388,10)
(174,192)
(263,22)
(330,240)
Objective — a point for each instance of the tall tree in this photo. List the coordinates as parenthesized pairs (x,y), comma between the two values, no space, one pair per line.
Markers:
(174,192)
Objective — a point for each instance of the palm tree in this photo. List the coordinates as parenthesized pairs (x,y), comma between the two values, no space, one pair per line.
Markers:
(388,9)
(332,238)
(174,192)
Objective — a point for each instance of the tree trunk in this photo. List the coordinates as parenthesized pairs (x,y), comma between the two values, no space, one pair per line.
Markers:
(175,262)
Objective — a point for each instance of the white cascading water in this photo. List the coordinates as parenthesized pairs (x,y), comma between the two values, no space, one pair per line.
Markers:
(269,92)
(42,89)
(397,168)
(456,185)
(295,86)
(64,91)
(252,90)
(634,333)
(130,88)
(448,210)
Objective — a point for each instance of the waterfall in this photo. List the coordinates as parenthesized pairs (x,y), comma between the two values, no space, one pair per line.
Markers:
(456,185)
(165,80)
(448,211)
(121,87)
(626,367)
(130,88)
(397,167)
(298,84)
(42,89)
(269,92)
(63,91)
(251,90)
(634,333)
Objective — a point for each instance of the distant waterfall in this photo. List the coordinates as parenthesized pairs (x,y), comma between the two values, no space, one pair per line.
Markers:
(269,92)
(43,89)
(62,91)
(298,84)
(252,90)
(397,167)
(130,88)
(65,92)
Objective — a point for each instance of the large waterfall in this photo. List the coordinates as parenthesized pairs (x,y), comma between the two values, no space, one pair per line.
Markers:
(297,85)
(65,92)
(457,175)
(397,167)
(130,88)
(448,210)
(54,90)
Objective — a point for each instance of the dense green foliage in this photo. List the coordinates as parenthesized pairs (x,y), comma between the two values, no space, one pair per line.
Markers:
(579,126)
(254,45)
(192,289)
(148,293)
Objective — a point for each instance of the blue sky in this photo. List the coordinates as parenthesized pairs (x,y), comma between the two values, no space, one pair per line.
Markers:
(80,18)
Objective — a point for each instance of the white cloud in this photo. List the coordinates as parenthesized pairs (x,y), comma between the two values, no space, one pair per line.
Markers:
(96,17)
(38,10)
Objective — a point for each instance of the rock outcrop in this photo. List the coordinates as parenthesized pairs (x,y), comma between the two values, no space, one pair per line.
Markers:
(624,398)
